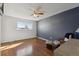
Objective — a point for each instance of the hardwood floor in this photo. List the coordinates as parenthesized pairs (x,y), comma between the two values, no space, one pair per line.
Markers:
(29,47)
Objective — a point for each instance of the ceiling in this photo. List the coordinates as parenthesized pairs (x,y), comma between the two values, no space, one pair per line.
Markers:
(23,10)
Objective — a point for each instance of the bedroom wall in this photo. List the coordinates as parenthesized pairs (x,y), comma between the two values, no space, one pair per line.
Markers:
(11,34)
(0,28)
(57,26)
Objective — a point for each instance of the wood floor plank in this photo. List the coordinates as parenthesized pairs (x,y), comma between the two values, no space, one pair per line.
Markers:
(30,47)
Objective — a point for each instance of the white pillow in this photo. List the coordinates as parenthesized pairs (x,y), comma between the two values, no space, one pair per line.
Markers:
(56,42)
(65,39)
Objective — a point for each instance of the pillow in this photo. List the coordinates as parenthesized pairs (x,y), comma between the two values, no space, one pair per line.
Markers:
(56,42)
(66,39)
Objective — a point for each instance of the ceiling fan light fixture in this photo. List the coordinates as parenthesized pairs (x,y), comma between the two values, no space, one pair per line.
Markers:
(35,15)
(38,12)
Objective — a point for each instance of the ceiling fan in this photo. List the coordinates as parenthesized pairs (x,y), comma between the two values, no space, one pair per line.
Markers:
(38,11)
(2,9)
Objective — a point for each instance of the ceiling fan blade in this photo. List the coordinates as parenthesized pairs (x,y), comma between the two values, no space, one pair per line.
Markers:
(31,14)
(37,12)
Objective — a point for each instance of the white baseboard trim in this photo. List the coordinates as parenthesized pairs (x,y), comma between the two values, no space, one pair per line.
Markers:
(42,38)
(18,39)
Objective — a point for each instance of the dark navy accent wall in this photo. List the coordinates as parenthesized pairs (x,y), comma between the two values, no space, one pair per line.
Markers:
(57,26)
(76,35)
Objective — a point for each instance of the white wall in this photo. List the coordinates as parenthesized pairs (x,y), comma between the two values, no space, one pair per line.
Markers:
(0,28)
(11,34)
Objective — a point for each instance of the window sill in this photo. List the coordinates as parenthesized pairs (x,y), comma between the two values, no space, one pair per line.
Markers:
(24,29)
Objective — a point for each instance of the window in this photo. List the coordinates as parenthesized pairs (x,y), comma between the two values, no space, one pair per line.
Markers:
(24,24)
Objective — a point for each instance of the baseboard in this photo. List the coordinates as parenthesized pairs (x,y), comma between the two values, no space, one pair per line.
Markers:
(25,39)
(42,38)
(18,40)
